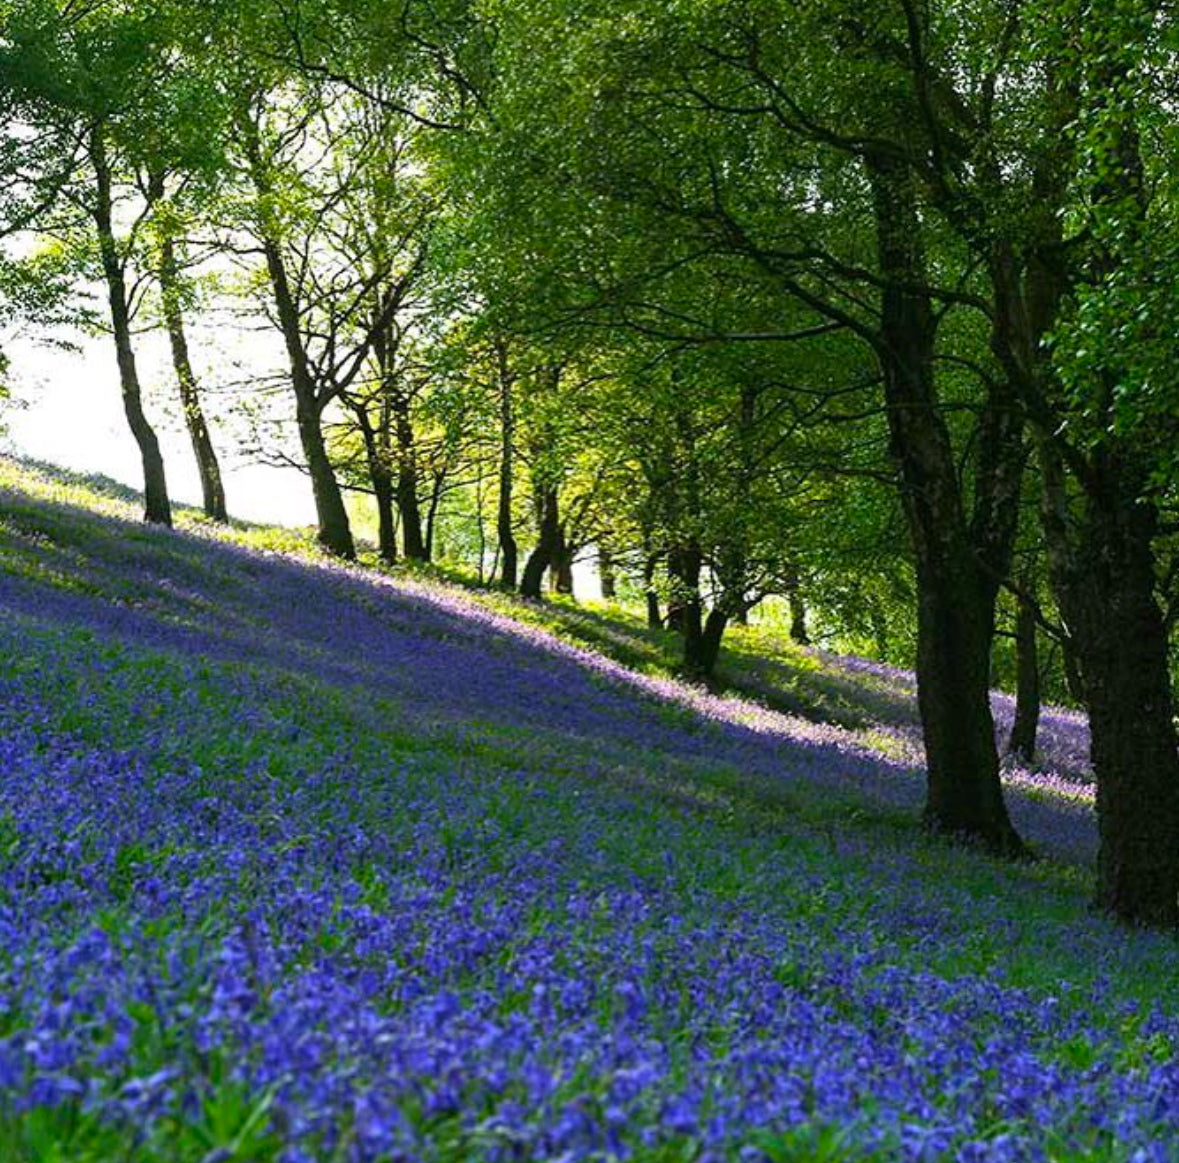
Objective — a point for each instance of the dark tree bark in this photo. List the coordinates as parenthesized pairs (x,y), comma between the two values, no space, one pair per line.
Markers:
(1120,630)
(377,461)
(1072,672)
(956,591)
(1131,716)
(799,633)
(547,545)
(335,531)
(408,504)
(395,423)
(702,643)
(208,468)
(1100,530)
(508,549)
(1026,723)
(684,563)
(1105,581)
(562,565)
(606,573)
(702,633)
(157,507)
(880,632)
(434,547)
(386,523)
(654,615)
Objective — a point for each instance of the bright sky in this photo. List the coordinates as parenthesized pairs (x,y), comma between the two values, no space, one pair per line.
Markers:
(67,410)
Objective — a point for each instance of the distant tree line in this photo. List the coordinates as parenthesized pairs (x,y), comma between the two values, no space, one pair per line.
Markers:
(868,307)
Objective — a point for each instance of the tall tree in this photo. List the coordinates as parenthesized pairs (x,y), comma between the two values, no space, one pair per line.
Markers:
(101,77)
(766,146)
(169,268)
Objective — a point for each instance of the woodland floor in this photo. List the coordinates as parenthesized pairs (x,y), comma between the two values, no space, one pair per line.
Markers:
(301,862)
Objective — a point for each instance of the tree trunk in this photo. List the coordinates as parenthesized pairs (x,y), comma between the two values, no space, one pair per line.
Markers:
(1121,634)
(562,567)
(606,573)
(798,628)
(335,531)
(434,546)
(956,596)
(407,483)
(157,507)
(386,522)
(1103,564)
(799,633)
(654,615)
(381,478)
(1123,650)
(1026,723)
(1072,672)
(702,636)
(702,644)
(1103,561)
(509,550)
(879,623)
(683,573)
(209,470)
(546,547)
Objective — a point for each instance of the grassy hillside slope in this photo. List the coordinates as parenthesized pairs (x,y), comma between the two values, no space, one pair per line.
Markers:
(300,862)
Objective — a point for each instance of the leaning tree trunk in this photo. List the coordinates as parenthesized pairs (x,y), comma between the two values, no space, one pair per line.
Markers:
(157,507)
(956,596)
(208,468)
(547,546)
(335,531)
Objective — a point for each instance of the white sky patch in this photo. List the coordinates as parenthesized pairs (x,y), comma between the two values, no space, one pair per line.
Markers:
(67,410)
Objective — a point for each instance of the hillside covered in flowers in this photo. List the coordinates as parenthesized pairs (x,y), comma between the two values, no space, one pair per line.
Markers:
(300,862)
